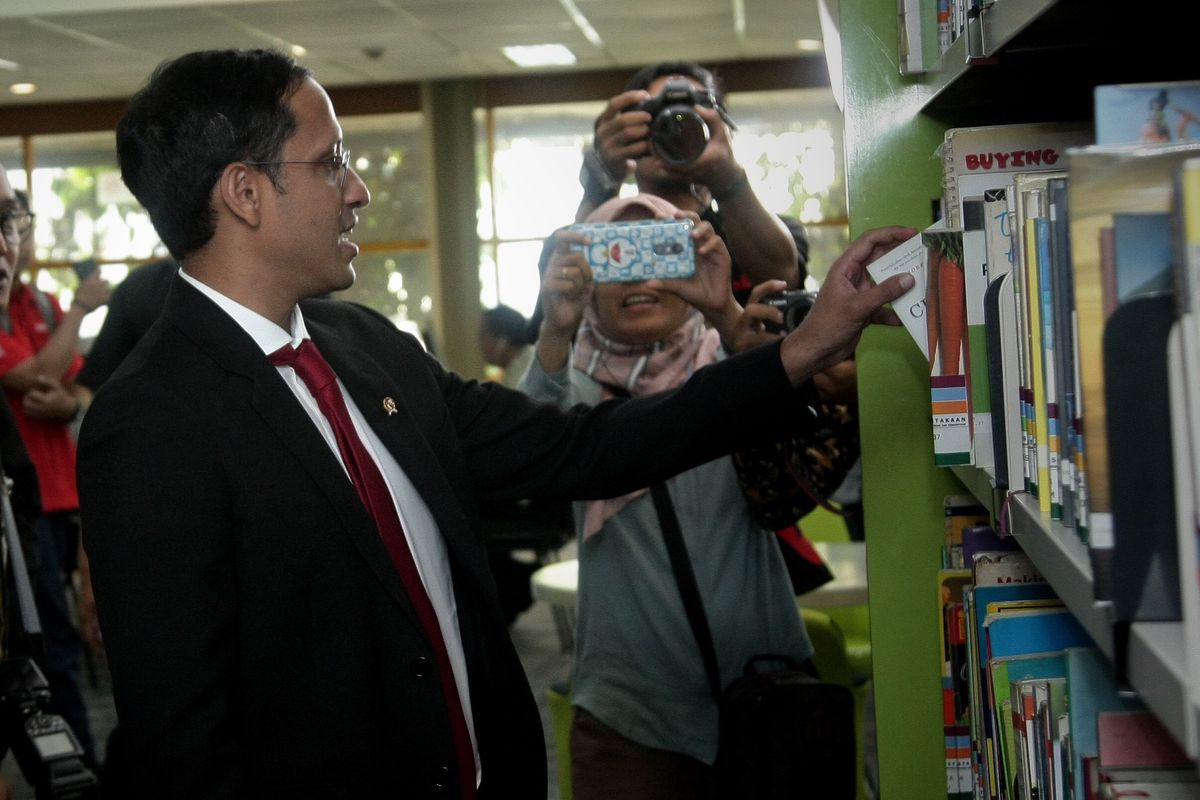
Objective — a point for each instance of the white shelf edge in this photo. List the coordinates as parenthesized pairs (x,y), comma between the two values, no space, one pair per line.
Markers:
(1156,670)
(1064,560)
(1156,653)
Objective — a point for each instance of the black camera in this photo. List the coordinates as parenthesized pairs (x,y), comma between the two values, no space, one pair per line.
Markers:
(677,133)
(44,745)
(794,305)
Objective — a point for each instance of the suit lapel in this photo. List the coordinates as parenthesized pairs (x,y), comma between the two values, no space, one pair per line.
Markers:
(243,361)
(379,396)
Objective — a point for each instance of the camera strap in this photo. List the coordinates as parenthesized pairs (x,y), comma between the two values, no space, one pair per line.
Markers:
(16,561)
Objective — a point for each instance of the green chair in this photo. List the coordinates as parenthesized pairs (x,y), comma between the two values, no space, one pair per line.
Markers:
(824,526)
(559,698)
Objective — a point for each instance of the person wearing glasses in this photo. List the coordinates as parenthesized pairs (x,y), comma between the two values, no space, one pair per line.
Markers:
(280,490)
(39,359)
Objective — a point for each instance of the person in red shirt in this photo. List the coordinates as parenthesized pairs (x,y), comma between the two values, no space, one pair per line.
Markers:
(39,358)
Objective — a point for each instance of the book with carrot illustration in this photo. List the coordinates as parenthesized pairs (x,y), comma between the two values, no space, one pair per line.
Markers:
(949,358)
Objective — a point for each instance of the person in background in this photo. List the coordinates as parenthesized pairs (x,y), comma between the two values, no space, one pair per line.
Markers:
(280,491)
(714,185)
(135,304)
(24,496)
(645,724)
(504,340)
(39,359)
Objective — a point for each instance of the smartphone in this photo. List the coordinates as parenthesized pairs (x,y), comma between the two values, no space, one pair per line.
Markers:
(639,250)
(84,268)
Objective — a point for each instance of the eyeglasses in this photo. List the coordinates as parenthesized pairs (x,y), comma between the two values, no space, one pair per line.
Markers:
(338,165)
(16,224)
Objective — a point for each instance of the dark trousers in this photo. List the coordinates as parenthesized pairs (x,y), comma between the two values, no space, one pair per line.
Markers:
(58,542)
(606,765)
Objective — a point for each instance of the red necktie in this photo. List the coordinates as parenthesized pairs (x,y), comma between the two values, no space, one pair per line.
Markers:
(320,380)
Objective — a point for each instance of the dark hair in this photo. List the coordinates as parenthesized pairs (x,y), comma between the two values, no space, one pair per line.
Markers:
(22,199)
(196,115)
(506,323)
(690,69)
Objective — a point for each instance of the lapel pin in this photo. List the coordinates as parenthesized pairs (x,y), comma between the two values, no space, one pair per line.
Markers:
(389,405)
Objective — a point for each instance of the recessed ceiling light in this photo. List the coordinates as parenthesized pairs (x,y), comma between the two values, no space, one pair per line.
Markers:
(299,51)
(23,88)
(539,55)
(809,45)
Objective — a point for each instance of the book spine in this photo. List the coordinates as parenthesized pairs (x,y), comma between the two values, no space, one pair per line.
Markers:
(1053,439)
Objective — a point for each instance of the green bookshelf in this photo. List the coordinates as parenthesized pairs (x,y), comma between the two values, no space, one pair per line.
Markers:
(1032,60)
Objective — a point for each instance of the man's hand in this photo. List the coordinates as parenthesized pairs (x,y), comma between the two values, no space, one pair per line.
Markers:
(847,303)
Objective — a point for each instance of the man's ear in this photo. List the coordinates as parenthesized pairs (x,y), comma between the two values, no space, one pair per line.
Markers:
(240,190)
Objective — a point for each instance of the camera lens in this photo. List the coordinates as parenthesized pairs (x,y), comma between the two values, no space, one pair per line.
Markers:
(679,135)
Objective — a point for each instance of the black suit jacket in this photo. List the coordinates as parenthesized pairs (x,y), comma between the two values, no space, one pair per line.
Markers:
(261,644)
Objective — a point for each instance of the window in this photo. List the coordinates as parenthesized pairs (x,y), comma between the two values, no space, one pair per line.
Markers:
(529,187)
(83,211)
(394,269)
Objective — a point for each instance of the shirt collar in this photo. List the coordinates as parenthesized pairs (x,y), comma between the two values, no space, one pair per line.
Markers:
(265,333)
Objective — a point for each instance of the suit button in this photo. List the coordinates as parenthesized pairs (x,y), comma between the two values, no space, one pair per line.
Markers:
(422,667)
(441,783)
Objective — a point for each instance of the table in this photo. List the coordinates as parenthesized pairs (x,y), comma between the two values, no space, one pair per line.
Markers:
(558,583)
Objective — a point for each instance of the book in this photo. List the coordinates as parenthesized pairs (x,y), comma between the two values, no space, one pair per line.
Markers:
(1064,336)
(984,539)
(959,512)
(1107,181)
(1091,689)
(1004,673)
(1147,113)
(1186,416)
(1182,790)
(997,568)
(1004,383)
(952,640)
(949,365)
(1136,739)
(975,159)
(917,30)
(976,603)
(909,256)
(976,278)
(1032,227)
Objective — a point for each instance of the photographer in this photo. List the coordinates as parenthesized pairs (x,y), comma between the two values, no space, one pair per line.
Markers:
(653,131)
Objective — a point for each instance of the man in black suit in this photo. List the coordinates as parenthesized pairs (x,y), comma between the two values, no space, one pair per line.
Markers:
(261,638)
